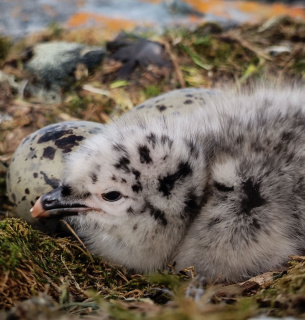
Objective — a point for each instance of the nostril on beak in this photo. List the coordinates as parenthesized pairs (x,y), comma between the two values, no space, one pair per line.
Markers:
(48,202)
(52,199)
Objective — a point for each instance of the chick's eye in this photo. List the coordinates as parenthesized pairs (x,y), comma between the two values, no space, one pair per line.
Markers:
(112,196)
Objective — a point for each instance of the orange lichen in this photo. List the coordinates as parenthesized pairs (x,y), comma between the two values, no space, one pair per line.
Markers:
(252,7)
(254,11)
(204,6)
(83,19)
(259,10)
(281,9)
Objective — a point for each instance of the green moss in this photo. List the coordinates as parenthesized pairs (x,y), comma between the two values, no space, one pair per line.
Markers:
(37,259)
(119,84)
(299,67)
(285,295)
(152,91)
(76,104)
(55,29)
(11,256)
(5,46)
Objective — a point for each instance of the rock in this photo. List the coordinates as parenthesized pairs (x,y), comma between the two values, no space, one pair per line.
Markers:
(134,51)
(55,65)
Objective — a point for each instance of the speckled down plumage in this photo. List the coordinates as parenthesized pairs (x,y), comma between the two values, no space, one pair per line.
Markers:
(220,188)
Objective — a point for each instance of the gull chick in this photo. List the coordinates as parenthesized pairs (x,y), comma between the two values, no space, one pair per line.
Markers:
(220,188)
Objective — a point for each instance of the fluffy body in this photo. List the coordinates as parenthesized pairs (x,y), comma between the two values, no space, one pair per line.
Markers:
(220,188)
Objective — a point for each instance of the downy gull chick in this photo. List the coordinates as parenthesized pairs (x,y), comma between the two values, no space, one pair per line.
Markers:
(221,188)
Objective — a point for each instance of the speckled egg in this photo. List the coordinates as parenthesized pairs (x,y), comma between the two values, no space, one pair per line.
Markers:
(37,165)
(176,101)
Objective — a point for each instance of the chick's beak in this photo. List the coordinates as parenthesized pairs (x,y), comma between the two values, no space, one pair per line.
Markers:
(54,203)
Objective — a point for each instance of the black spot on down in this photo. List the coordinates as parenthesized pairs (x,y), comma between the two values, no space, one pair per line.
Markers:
(66,191)
(151,138)
(136,173)
(157,214)
(130,210)
(144,153)
(137,187)
(193,149)
(212,222)
(122,164)
(166,139)
(167,183)
(120,148)
(192,207)
(93,177)
(252,197)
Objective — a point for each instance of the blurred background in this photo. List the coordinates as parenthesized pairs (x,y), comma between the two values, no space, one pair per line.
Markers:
(21,17)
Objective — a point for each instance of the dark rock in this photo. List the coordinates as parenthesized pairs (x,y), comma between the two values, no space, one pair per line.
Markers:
(55,65)
(134,51)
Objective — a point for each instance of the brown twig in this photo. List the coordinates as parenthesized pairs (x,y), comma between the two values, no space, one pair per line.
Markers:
(78,239)
(247,45)
(175,64)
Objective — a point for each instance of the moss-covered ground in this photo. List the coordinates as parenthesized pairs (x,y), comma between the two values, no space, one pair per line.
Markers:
(32,263)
